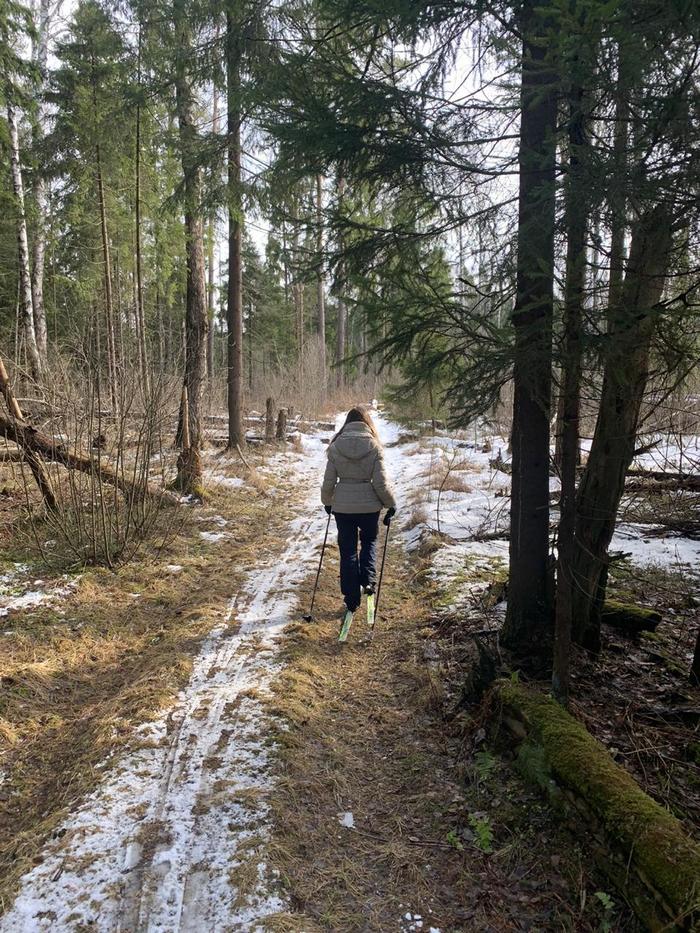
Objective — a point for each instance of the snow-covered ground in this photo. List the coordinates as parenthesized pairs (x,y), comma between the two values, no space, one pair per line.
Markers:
(174,837)
(473,515)
(667,453)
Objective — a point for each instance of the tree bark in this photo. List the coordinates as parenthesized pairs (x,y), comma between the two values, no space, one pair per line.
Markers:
(26,307)
(109,304)
(576,222)
(211,235)
(341,328)
(140,316)
(617,194)
(320,284)
(269,420)
(528,625)
(297,292)
(631,328)
(33,459)
(40,186)
(196,321)
(236,433)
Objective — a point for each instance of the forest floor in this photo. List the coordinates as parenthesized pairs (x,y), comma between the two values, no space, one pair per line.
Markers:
(180,751)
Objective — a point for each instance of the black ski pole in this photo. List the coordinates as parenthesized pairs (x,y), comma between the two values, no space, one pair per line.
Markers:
(379,585)
(310,616)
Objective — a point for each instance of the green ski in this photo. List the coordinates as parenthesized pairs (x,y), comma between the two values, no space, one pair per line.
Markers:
(370,609)
(345,627)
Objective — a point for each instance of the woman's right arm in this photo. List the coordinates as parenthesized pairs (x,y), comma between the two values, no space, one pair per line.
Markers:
(330,478)
(381,484)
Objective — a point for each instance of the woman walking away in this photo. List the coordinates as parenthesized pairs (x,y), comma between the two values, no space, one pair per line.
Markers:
(355,489)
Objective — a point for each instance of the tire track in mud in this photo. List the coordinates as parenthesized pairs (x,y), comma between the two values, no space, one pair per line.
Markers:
(173,840)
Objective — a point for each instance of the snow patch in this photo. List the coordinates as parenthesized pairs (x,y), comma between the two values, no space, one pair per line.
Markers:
(213,537)
(16,594)
(232,482)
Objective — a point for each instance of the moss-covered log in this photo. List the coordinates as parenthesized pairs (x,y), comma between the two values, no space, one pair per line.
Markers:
(642,847)
(629,618)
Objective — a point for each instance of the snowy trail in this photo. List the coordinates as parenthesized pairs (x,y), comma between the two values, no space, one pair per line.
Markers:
(173,838)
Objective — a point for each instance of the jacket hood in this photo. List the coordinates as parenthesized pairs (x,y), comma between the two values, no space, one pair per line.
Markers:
(355,443)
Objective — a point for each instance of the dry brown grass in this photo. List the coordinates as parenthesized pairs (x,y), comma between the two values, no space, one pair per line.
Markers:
(453,482)
(350,747)
(366,733)
(444,474)
(80,675)
(418,516)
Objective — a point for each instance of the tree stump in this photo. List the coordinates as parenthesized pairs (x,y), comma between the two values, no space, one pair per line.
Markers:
(269,420)
(189,473)
(282,425)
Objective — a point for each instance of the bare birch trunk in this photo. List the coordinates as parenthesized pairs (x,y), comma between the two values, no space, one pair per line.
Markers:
(41,209)
(26,307)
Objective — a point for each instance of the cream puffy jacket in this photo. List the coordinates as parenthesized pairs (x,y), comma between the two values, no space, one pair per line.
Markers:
(355,480)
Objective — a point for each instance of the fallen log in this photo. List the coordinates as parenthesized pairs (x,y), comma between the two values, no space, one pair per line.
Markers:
(34,460)
(36,443)
(641,847)
(629,618)
(677,480)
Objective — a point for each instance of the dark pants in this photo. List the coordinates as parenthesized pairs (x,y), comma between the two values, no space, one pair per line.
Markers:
(357,571)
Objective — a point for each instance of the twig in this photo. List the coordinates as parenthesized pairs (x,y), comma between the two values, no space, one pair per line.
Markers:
(240,454)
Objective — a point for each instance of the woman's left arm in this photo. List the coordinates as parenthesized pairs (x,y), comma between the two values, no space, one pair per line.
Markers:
(330,478)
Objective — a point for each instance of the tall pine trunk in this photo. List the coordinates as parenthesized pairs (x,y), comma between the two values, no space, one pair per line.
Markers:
(341,328)
(26,307)
(211,235)
(528,624)
(140,319)
(297,292)
(340,343)
(320,284)
(112,373)
(196,321)
(576,223)
(234,313)
(632,323)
